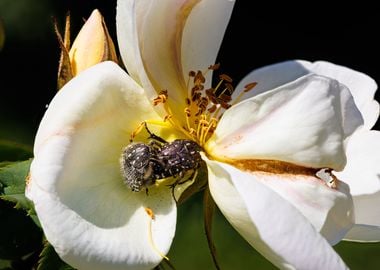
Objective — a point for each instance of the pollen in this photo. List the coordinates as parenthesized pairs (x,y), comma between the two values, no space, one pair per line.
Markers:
(150,212)
(203,107)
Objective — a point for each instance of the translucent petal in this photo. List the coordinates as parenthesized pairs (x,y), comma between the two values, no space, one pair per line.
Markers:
(91,218)
(362,173)
(363,233)
(161,41)
(329,210)
(362,87)
(303,122)
(269,222)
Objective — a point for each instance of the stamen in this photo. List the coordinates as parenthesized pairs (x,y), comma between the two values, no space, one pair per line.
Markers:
(230,88)
(188,115)
(152,122)
(216,112)
(167,117)
(192,73)
(247,88)
(136,131)
(214,67)
(200,130)
(212,108)
(203,107)
(199,78)
(211,125)
(161,98)
(150,213)
(225,77)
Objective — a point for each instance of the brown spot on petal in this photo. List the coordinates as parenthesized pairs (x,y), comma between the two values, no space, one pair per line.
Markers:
(272,166)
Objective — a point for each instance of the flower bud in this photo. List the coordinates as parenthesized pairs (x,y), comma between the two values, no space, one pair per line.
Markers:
(92,45)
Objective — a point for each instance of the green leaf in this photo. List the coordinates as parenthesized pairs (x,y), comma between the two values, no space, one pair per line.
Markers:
(12,182)
(12,151)
(49,259)
(12,187)
(5,265)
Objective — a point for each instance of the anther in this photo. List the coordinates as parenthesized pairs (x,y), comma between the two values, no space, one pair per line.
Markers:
(137,131)
(225,77)
(187,112)
(161,98)
(214,67)
(167,117)
(199,78)
(212,108)
(229,87)
(150,213)
(249,86)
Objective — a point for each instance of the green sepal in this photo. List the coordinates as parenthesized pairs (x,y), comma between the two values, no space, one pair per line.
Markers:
(49,259)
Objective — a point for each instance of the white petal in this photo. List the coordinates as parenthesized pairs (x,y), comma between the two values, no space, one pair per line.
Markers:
(304,122)
(92,219)
(126,26)
(362,87)
(363,233)
(362,173)
(150,38)
(161,41)
(268,222)
(203,34)
(329,210)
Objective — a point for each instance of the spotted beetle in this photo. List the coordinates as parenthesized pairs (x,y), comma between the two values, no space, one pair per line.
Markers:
(142,164)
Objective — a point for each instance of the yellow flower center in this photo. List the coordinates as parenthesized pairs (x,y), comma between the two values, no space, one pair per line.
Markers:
(204,107)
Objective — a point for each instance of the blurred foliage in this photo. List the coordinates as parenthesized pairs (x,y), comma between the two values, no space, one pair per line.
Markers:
(49,259)
(20,236)
(2,34)
(12,151)
(26,19)
(190,250)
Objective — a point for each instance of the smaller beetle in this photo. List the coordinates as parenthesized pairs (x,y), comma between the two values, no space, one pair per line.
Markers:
(142,164)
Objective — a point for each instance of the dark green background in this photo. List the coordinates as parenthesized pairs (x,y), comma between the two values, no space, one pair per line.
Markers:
(257,35)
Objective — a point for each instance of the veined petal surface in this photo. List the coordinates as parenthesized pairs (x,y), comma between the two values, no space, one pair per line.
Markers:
(90,217)
(269,222)
(304,122)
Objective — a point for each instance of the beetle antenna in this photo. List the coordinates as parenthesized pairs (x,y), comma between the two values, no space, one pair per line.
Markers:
(152,135)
